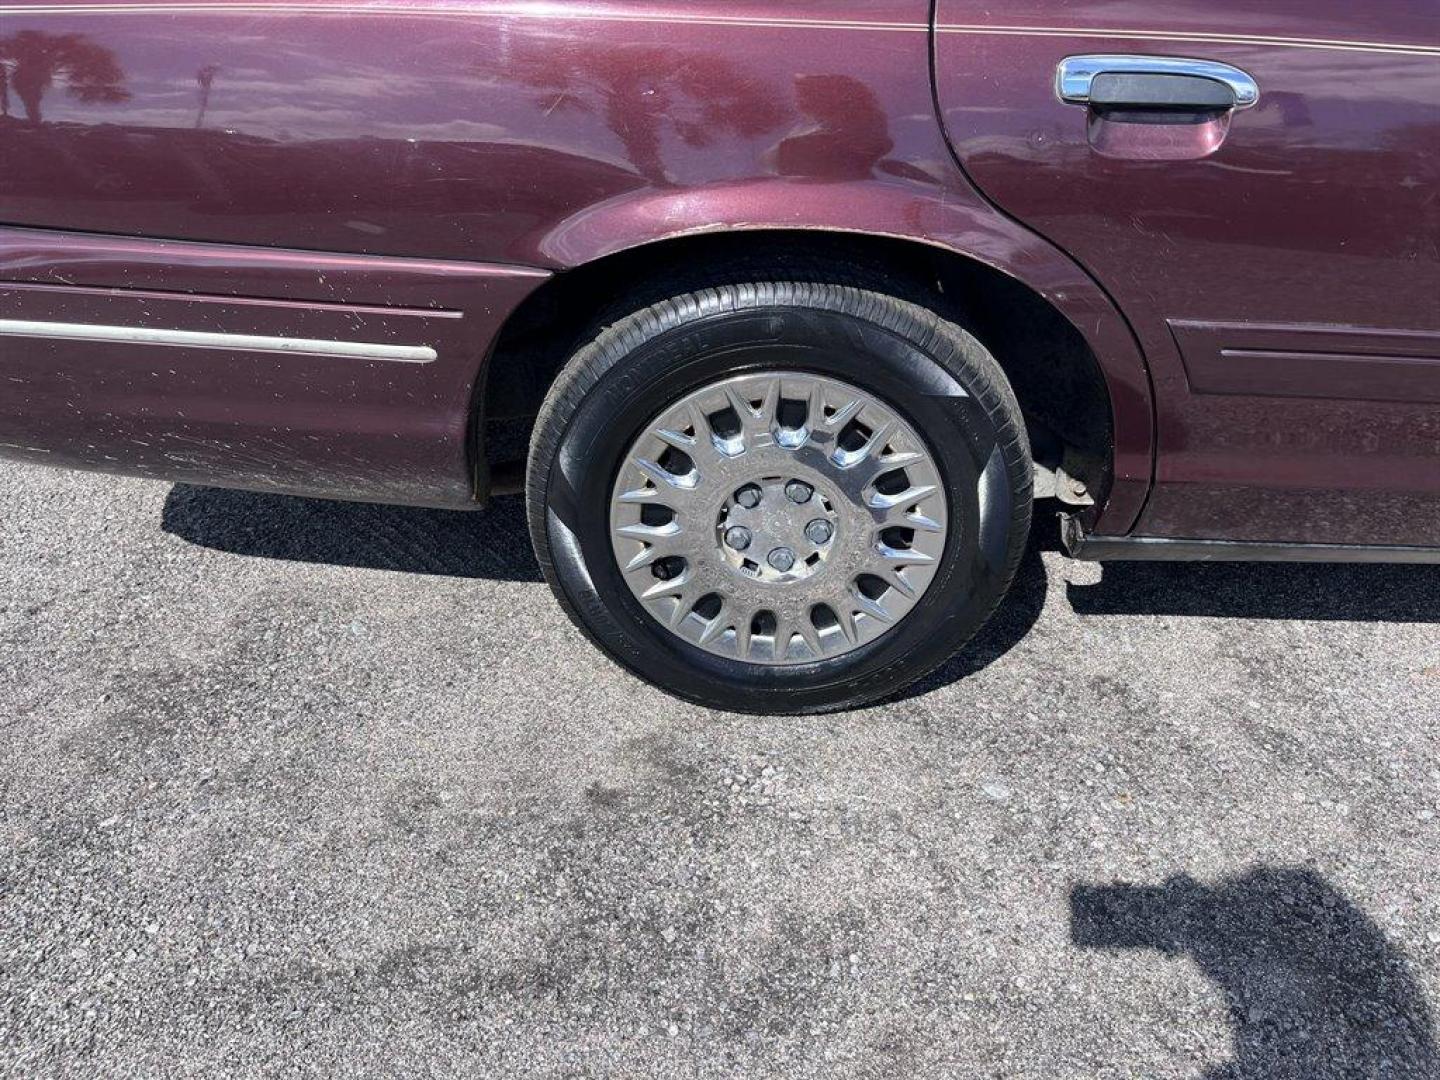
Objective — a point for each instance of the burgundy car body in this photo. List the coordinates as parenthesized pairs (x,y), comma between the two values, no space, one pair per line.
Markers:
(1262,295)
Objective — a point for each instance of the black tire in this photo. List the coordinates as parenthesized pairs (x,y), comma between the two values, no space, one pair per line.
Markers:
(941,378)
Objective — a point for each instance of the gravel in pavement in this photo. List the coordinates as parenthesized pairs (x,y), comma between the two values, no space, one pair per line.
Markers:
(299,788)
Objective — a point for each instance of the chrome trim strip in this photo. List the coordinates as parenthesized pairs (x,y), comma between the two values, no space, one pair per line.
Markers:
(1163,549)
(504,11)
(1195,37)
(546,12)
(200,339)
(1075,74)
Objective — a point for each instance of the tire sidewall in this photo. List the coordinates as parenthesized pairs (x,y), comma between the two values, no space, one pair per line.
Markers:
(931,387)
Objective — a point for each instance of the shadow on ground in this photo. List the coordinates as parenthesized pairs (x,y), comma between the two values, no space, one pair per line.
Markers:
(1339,592)
(1314,989)
(491,543)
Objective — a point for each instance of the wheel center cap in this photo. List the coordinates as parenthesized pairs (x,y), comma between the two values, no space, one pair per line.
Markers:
(777,529)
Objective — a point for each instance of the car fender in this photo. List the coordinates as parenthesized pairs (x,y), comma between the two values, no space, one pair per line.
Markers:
(951,218)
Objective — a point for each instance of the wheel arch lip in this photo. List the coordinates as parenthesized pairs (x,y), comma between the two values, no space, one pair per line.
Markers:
(955,222)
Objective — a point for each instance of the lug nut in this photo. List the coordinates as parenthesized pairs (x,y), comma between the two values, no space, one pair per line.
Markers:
(737,537)
(782,559)
(819,531)
(748,496)
(798,491)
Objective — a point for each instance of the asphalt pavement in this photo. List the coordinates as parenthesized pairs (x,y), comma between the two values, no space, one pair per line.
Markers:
(304,788)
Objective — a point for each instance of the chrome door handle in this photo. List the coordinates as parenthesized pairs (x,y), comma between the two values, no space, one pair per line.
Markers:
(1154,82)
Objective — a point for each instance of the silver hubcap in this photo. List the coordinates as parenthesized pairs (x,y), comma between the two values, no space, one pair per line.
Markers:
(778,518)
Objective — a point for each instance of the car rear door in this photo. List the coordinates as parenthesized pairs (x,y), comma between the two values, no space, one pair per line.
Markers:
(1279,262)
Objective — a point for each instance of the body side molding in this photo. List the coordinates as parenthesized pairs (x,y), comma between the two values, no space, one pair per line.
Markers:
(201,339)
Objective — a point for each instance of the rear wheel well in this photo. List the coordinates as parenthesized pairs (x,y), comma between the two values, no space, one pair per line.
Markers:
(1055,375)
